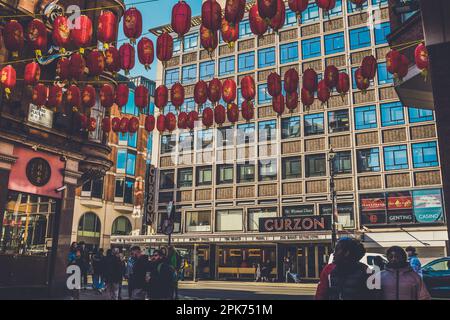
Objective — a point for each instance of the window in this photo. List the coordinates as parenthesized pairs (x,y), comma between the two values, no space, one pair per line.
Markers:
(392,114)
(289,52)
(225,173)
(188,105)
(204,176)
(245,172)
(176,46)
(379,2)
(368,160)
(360,38)
(315,165)
(267,170)
(126,162)
(205,139)
(167,179)
(311,13)
(172,76)
(384,77)
(338,121)
(365,118)
(190,42)
(292,167)
(425,155)
(225,137)
(128,139)
(336,11)
(351,7)
(420,115)
(121,227)
(266,57)
(313,124)
(354,86)
(207,70)
(124,190)
(291,18)
(189,74)
(334,43)
(245,133)
(186,142)
(342,162)
(395,158)
(263,95)
(130,107)
(311,48)
(290,127)
(168,143)
(89,226)
(244,29)
(226,66)
(170,108)
(93,189)
(381,32)
(199,221)
(229,220)
(185,178)
(255,214)
(267,130)
(344,211)
(246,61)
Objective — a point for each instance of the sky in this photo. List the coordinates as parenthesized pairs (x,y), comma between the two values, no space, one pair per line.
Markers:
(154,13)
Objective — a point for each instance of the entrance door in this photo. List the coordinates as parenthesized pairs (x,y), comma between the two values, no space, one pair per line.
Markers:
(311,258)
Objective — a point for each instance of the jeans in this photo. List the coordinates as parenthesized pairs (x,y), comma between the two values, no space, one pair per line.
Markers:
(97,281)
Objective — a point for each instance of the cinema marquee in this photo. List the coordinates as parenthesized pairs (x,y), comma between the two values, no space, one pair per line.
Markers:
(303,223)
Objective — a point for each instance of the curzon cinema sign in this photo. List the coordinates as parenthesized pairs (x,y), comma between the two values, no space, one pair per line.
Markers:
(300,223)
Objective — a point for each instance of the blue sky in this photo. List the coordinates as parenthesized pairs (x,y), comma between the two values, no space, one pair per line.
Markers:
(154,14)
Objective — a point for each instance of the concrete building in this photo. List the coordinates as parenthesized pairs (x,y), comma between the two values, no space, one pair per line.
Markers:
(259,191)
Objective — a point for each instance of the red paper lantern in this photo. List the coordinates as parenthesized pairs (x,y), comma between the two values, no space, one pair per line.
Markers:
(421,57)
(274,84)
(219,114)
(88,97)
(8,79)
(146,52)
(106,125)
(298,6)
(55,97)
(150,123)
(234,11)
(83,120)
(278,104)
(267,8)
(32,73)
(292,101)
(132,24)
(323,92)
(124,125)
(248,110)
(62,69)
(92,125)
(77,66)
(37,35)
(200,92)
(95,62)
(310,80)
(343,85)
(13,37)
(81,33)
(331,76)
(211,15)
(214,90)
(392,61)
(277,22)
(362,83)
(229,90)
(112,59)
(107,27)
(248,88)
(230,33)
(192,119)
(326,5)
(369,67)
(122,93)
(291,80)
(133,125)
(107,96)
(181,18)
(141,97)
(233,113)
(208,117)
(40,95)
(208,39)
(182,120)
(127,57)
(61,32)
(164,47)
(307,97)
(161,96)
(257,24)
(403,66)
(177,95)
(73,97)
(116,124)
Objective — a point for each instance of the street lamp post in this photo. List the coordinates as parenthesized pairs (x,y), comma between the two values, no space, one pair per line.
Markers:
(331,156)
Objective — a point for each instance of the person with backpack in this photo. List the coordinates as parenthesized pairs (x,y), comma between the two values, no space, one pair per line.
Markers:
(74,258)
(161,277)
(414,262)
(114,269)
(98,265)
(140,275)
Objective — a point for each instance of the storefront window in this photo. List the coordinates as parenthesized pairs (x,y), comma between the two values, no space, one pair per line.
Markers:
(198,221)
(255,214)
(89,228)
(345,213)
(229,220)
(121,227)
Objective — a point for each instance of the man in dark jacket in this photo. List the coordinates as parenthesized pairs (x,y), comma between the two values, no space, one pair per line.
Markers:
(98,265)
(140,275)
(114,270)
(161,278)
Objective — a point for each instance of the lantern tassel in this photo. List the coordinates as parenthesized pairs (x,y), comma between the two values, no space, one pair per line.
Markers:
(81,50)
(38,54)
(424,73)
(8,92)
(15,54)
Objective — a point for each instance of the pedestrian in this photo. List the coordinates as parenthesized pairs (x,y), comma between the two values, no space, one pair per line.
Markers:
(287,265)
(98,265)
(399,281)
(85,265)
(174,260)
(258,276)
(140,275)
(413,260)
(113,273)
(129,274)
(184,266)
(345,278)
(162,283)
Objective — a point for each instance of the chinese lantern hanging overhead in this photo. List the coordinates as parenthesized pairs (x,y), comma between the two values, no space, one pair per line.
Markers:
(77,66)
(132,24)
(123,125)
(107,26)
(278,104)
(37,36)
(106,125)
(369,67)
(181,18)
(291,80)
(107,96)
(214,90)
(258,25)
(81,33)
(112,60)
(307,97)
(61,32)
(122,92)
(248,110)
(292,101)
(88,97)
(182,120)
(358,3)
(208,39)
(234,11)
(248,88)
(211,15)
(92,125)
(164,47)
(115,124)
(219,114)
(62,69)
(274,84)
(208,117)
(161,123)
(233,112)
(146,52)
(39,95)
(133,125)
(298,6)
(392,61)
(82,120)
(310,80)
(267,8)
(421,59)
(170,122)
(323,92)
(362,83)
(331,76)
(177,95)
(13,37)
(229,89)
(8,79)
(343,84)
(127,57)
(95,62)
(192,119)
(141,97)
(230,33)
(403,66)
(55,97)
(73,98)
(161,97)
(32,73)
(277,22)
(200,92)
(326,5)
(150,123)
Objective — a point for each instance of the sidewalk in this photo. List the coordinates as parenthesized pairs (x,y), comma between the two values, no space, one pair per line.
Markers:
(216,283)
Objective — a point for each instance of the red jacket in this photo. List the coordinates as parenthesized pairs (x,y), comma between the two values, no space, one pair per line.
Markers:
(322,288)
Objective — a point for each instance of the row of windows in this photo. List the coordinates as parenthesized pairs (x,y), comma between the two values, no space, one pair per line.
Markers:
(123,192)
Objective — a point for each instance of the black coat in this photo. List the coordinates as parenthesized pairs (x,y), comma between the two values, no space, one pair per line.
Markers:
(162,280)
(349,282)
(140,268)
(114,269)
